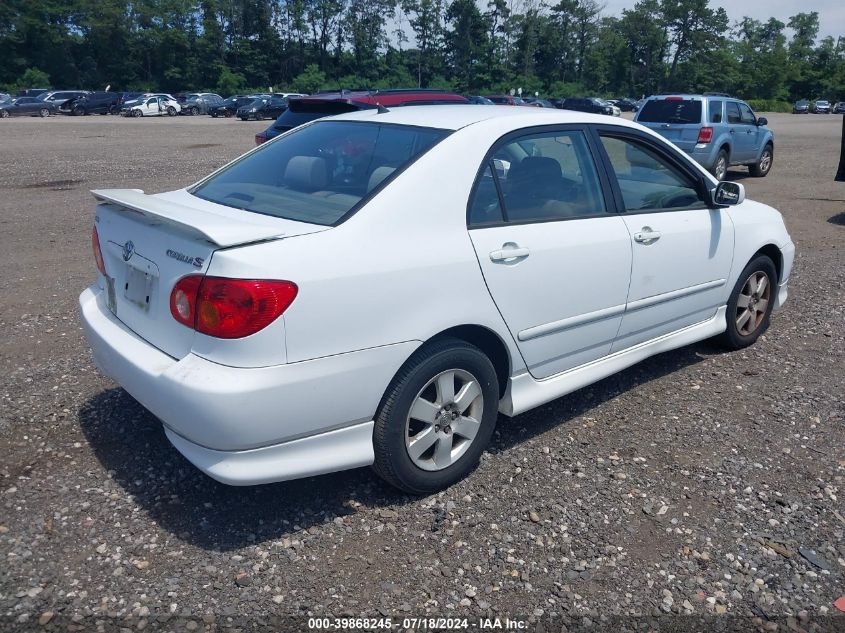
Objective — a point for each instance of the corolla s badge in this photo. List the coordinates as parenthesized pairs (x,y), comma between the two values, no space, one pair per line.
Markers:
(197,262)
(128,250)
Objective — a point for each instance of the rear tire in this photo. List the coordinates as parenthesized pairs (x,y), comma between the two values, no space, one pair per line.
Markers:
(750,306)
(720,165)
(78,111)
(762,167)
(436,418)
(137,113)
(171,111)
(4,114)
(43,112)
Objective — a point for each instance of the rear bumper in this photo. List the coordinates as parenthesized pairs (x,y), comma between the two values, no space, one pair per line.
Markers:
(250,425)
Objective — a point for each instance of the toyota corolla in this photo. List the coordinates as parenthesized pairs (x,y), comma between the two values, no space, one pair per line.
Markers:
(376,288)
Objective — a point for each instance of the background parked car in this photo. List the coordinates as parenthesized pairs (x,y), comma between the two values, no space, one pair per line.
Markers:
(200,103)
(229,107)
(265,107)
(538,103)
(506,100)
(27,106)
(58,97)
(716,131)
(587,104)
(5,98)
(304,109)
(153,105)
(625,104)
(92,103)
(32,92)
(822,106)
(802,106)
(479,100)
(839,108)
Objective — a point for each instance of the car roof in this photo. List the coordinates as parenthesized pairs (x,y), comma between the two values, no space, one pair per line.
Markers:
(455,117)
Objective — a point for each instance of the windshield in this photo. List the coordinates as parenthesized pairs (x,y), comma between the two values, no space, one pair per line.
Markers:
(671,111)
(319,173)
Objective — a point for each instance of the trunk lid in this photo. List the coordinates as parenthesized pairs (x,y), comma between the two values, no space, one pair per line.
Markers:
(149,242)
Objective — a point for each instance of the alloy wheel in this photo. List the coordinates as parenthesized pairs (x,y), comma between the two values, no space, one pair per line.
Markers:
(752,303)
(765,161)
(444,419)
(721,168)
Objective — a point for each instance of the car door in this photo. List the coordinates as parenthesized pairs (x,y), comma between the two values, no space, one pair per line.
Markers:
(555,255)
(682,250)
(750,133)
(739,133)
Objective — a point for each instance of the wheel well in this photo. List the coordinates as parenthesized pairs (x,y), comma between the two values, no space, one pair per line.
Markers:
(727,148)
(773,253)
(488,342)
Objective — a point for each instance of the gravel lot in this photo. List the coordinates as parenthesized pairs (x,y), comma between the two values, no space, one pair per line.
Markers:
(696,484)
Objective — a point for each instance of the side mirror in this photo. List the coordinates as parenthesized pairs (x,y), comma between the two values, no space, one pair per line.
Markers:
(728,194)
(761,121)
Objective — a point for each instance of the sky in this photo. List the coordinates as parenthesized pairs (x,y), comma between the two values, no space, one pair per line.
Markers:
(831,12)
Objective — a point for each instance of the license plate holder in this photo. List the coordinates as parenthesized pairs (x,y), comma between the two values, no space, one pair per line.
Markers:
(138,287)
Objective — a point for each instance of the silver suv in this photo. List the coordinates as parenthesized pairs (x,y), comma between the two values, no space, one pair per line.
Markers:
(716,130)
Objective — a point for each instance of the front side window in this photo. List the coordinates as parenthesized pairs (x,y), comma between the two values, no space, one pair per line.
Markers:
(747,115)
(548,176)
(319,173)
(646,179)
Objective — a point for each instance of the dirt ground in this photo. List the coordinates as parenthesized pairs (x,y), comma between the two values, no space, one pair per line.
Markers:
(697,484)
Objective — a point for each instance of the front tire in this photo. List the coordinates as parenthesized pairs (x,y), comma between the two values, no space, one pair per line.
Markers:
(762,167)
(137,113)
(436,418)
(43,112)
(4,114)
(720,165)
(750,304)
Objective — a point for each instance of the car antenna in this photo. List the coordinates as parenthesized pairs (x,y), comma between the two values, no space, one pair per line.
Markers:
(381,109)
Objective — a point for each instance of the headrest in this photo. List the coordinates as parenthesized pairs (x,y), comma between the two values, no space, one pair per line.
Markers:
(306,173)
(378,175)
(536,167)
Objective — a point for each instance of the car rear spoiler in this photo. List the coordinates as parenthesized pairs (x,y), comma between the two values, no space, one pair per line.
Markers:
(219,229)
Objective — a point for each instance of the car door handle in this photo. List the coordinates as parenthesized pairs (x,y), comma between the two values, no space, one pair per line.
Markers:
(509,252)
(646,236)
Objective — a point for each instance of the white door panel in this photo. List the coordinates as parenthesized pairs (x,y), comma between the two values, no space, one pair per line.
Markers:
(680,267)
(560,286)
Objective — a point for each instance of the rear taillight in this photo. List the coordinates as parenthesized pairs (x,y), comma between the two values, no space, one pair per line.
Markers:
(229,308)
(260,138)
(98,254)
(705,135)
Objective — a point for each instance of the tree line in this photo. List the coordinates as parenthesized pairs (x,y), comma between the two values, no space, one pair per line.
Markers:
(556,48)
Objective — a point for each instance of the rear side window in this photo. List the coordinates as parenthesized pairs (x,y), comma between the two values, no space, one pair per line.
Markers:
(671,111)
(715,110)
(485,207)
(733,112)
(319,173)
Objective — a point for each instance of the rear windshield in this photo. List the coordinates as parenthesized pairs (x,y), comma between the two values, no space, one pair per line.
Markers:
(319,173)
(671,111)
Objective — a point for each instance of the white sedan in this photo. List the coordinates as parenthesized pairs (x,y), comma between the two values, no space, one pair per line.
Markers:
(375,288)
(152,105)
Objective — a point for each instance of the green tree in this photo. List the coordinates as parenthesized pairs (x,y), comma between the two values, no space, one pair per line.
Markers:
(309,80)
(33,78)
(229,83)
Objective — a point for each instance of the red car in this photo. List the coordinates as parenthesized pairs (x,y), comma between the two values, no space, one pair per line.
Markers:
(305,109)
